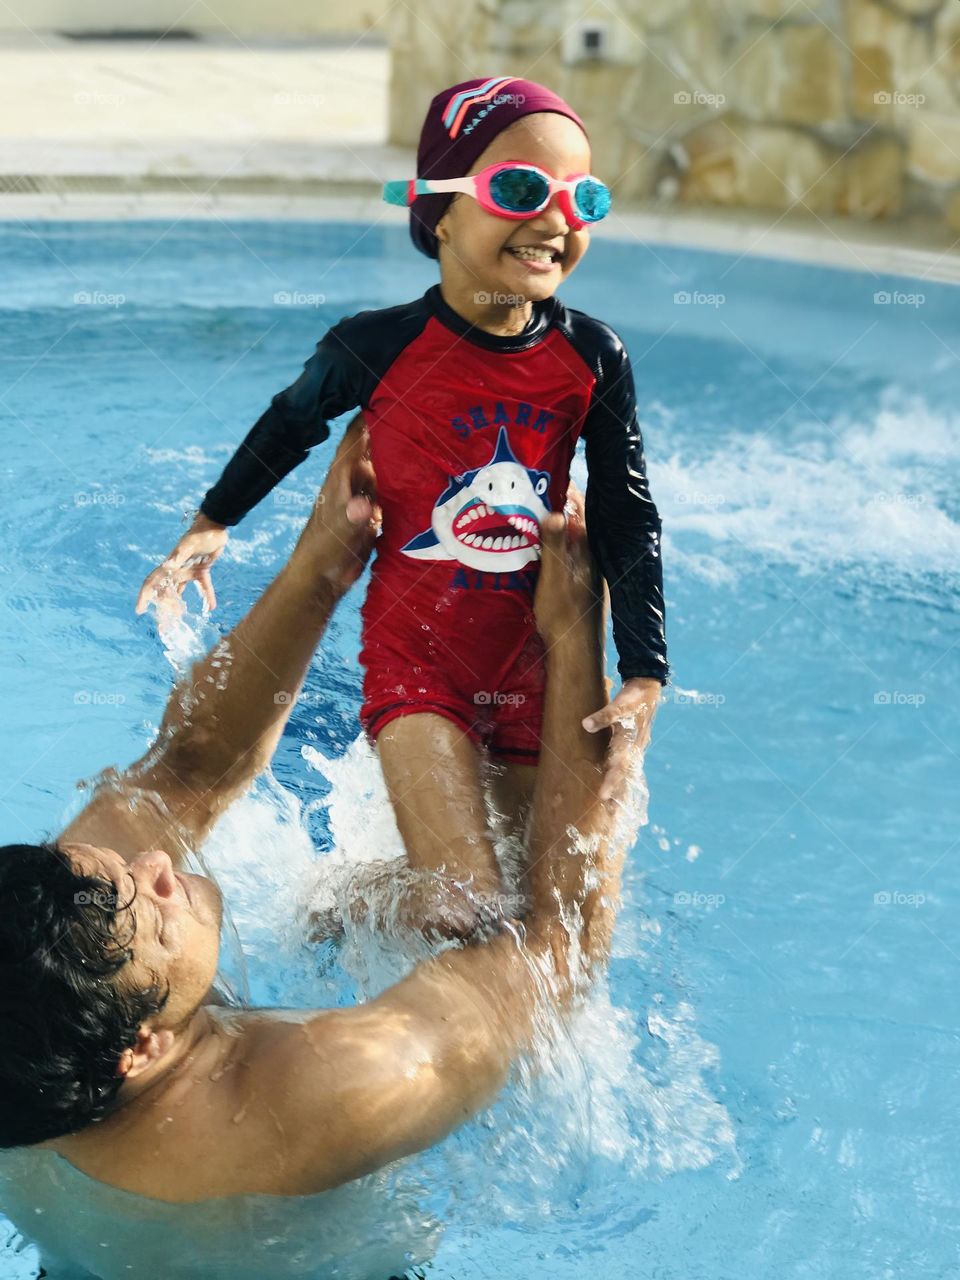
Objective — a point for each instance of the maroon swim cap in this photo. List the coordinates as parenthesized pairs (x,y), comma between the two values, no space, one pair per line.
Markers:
(461,123)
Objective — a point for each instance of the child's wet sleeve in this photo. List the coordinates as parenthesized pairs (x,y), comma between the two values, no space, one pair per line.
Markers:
(623,523)
(332,383)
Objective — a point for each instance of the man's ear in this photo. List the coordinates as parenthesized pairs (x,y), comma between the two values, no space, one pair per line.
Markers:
(150,1046)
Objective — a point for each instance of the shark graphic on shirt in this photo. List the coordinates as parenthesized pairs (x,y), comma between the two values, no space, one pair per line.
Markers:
(487,518)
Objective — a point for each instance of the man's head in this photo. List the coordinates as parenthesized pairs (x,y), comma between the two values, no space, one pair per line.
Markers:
(103,962)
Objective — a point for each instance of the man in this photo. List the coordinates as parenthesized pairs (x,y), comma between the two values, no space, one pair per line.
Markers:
(113,1052)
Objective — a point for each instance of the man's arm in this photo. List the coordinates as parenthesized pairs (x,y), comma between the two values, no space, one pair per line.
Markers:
(362,1087)
(223,722)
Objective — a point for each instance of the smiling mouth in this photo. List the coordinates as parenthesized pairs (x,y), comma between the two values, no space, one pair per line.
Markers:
(526,253)
(488,529)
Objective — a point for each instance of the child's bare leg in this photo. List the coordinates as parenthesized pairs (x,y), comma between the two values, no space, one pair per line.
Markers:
(511,791)
(432,773)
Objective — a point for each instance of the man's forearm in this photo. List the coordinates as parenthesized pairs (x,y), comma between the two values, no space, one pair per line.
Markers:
(566,804)
(225,720)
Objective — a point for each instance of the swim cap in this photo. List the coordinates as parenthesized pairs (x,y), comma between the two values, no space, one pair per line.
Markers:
(460,124)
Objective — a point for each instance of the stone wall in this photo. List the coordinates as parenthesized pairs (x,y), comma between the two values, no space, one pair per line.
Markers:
(848,107)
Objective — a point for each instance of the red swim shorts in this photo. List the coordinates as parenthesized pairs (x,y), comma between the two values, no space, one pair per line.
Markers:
(506,717)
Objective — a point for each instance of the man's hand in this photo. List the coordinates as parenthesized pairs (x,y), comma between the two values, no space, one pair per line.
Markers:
(630,716)
(568,587)
(189,561)
(346,517)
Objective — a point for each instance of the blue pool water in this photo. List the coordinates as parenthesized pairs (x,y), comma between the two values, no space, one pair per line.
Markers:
(767,1085)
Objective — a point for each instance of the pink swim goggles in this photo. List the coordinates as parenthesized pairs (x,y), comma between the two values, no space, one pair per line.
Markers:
(514,189)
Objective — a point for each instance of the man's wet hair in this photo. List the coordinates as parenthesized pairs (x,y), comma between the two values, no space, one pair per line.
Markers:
(66,1012)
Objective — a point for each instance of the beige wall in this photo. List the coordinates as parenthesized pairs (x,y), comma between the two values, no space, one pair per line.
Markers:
(240,17)
(842,107)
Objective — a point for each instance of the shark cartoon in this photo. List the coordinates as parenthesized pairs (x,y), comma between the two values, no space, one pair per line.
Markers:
(488,518)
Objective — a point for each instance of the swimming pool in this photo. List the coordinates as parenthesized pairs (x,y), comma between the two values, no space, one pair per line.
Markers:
(770,1075)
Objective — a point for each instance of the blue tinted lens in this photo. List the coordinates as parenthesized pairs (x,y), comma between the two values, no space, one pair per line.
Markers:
(592,199)
(519,190)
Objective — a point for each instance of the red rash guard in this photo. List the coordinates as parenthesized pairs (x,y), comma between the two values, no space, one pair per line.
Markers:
(471,438)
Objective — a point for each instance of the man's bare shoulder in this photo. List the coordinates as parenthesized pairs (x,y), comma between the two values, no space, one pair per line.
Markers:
(271,1102)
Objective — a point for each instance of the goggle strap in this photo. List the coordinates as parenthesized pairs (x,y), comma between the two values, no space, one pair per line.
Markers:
(400,192)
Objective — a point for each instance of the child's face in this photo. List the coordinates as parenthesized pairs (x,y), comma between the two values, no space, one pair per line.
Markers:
(475,245)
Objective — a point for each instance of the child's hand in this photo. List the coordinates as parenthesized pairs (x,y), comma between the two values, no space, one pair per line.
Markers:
(189,561)
(630,717)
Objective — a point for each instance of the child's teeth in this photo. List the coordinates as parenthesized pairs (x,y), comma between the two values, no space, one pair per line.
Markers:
(539,255)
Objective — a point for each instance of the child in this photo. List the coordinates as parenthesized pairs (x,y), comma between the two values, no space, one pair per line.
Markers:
(474,397)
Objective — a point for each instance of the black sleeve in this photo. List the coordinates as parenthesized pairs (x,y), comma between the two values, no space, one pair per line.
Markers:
(333,381)
(623,524)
